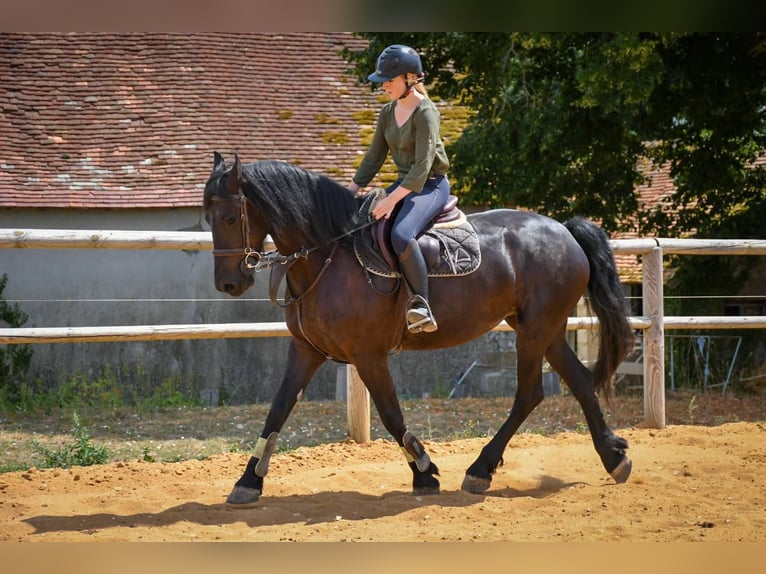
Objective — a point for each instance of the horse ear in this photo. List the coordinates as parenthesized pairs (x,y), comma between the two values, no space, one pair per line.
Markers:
(234,175)
(217,160)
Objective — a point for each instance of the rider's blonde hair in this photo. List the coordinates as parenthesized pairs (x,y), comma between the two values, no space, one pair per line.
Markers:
(419,86)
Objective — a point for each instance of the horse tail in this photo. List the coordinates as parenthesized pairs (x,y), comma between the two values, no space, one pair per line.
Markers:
(607,300)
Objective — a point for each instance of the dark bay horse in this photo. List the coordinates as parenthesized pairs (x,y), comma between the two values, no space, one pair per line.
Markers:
(533,271)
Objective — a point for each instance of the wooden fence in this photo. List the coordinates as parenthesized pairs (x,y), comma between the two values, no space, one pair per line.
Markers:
(654,322)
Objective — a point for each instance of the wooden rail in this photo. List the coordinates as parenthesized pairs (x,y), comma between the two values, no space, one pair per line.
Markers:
(202,240)
(653,323)
(108,239)
(126,333)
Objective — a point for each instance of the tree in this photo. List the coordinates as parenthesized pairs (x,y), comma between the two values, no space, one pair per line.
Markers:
(567,124)
(563,122)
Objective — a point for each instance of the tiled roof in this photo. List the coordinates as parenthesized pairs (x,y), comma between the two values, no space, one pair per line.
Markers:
(132,120)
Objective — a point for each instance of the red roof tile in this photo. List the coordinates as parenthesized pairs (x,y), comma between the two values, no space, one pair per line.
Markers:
(132,120)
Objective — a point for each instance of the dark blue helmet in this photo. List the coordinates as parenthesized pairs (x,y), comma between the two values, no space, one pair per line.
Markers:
(394,61)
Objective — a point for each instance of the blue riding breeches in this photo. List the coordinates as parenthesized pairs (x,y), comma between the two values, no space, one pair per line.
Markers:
(416,210)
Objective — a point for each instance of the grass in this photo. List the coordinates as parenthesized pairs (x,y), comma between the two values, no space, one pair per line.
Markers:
(196,432)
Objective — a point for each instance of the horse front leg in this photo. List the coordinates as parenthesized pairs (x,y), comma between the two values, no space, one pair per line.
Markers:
(302,363)
(377,379)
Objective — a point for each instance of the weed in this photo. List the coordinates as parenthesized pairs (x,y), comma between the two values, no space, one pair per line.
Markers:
(81,452)
(429,430)
(691,409)
(175,457)
(470,430)
(146,456)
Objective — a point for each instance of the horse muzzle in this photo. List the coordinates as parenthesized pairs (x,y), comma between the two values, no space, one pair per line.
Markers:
(234,283)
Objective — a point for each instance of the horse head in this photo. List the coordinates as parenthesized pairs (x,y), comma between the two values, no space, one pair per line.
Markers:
(238,229)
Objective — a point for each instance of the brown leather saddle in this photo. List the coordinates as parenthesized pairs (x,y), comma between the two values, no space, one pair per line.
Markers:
(449,244)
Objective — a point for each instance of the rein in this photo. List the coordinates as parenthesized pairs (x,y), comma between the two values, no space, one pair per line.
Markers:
(279,273)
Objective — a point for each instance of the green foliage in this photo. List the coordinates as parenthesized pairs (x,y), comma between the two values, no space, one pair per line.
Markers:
(440,388)
(79,392)
(168,395)
(14,359)
(80,452)
(12,467)
(103,392)
(562,121)
(567,123)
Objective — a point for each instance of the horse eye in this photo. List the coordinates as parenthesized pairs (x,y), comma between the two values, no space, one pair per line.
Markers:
(231,220)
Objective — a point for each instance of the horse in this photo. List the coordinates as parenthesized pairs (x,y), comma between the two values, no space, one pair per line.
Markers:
(533,271)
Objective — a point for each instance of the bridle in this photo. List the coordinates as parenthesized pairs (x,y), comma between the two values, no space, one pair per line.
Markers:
(254,260)
(246,251)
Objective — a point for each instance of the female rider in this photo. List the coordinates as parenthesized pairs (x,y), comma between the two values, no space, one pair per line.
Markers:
(408,128)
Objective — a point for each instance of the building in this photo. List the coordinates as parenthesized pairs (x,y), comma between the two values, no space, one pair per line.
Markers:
(117,131)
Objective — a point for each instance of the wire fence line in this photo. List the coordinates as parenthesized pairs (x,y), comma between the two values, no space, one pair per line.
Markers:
(231,300)
(654,322)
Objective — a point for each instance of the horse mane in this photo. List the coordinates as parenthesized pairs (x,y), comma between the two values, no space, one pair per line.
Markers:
(296,200)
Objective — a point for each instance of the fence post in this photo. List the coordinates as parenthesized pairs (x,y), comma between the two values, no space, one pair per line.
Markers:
(654,340)
(357,406)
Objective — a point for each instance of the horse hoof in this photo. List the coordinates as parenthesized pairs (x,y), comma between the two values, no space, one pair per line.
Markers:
(474,484)
(243,497)
(425,490)
(622,471)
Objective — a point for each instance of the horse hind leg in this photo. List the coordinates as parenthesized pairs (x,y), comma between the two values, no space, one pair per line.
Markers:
(529,394)
(610,447)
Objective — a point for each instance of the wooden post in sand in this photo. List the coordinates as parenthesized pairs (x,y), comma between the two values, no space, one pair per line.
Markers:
(654,340)
(357,406)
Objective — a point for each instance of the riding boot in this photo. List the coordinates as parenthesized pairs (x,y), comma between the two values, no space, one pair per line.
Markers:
(413,267)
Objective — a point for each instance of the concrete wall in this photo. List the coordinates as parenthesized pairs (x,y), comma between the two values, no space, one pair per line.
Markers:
(92,287)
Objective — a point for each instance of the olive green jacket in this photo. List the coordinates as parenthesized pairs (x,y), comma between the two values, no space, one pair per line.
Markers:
(416,147)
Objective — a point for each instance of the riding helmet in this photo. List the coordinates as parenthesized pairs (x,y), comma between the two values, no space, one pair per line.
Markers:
(394,61)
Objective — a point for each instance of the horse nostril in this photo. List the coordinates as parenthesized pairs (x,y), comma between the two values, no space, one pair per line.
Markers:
(229,287)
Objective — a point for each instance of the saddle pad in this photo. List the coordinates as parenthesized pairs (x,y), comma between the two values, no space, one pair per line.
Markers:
(450,250)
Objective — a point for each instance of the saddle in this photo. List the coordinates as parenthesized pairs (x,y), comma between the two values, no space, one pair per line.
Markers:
(449,244)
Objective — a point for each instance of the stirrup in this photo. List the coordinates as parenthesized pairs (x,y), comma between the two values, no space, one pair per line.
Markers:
(419,316)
